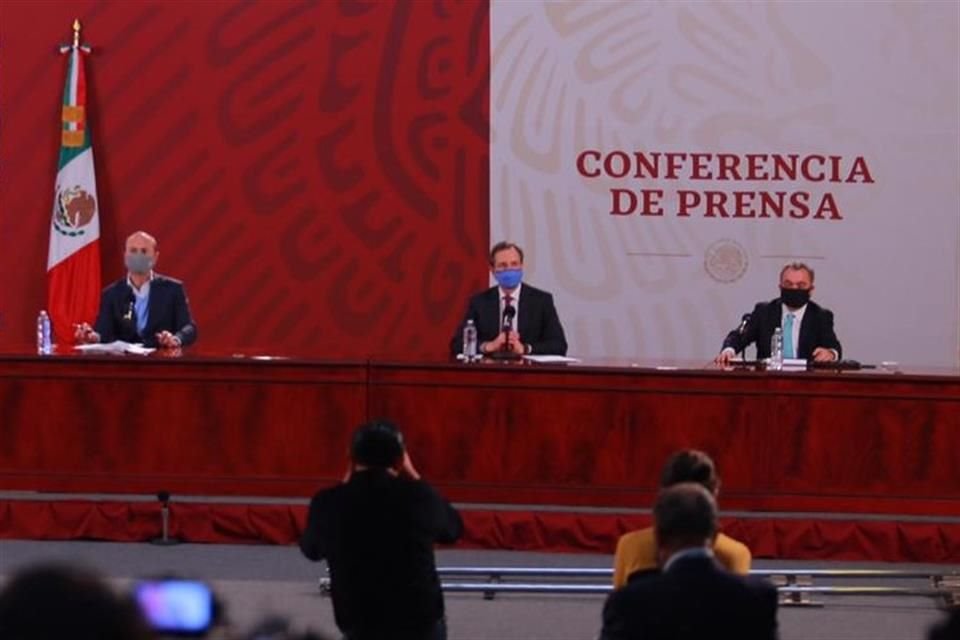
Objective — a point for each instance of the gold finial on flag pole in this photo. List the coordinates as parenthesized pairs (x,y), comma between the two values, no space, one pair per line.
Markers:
(65,48)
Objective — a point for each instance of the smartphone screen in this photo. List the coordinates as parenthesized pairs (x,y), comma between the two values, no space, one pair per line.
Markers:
(176,607)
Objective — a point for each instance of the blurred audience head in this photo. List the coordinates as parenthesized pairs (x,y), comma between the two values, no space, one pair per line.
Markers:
(685,517)
(948,629)
(59,602)
(690,465)
(377,444)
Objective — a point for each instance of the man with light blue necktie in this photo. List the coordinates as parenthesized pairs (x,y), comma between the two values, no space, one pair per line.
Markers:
(144,307)
(807,327)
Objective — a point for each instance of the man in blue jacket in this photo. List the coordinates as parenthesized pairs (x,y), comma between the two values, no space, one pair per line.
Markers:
(144,307)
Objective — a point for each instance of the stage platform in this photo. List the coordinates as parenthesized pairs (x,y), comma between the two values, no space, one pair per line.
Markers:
(847,465)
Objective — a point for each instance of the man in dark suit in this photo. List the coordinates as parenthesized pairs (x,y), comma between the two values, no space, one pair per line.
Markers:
(535,326)
(376,531)
(144,307)
(807,327)
(692,597)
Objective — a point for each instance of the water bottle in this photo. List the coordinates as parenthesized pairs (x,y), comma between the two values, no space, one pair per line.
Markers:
(44,343)
(469,341)
(776,350)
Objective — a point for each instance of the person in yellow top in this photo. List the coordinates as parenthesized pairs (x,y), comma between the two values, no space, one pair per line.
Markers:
(637,550)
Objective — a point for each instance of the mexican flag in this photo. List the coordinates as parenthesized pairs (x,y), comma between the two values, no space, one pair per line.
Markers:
(73,261)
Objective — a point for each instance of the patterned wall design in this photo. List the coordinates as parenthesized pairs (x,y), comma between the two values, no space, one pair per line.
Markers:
(316,172)
(875,79)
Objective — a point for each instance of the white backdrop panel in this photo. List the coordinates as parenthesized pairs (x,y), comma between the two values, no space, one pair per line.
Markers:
(877,80)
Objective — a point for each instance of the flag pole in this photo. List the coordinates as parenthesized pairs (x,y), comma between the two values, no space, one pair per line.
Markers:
(73,257)
(76,39)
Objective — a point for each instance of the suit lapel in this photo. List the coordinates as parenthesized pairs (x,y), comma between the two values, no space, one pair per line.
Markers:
(490,318)
(153,306)
(806,338)
(524,313)
(125,313)
(774,316)
(693,565)
(768,321)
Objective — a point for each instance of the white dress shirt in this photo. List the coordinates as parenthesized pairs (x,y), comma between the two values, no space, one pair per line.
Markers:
(692,552)
(514,302)
(141,302)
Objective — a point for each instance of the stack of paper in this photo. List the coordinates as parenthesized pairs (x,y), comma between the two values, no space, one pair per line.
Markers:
(546,359)
(789,364)
(117,346)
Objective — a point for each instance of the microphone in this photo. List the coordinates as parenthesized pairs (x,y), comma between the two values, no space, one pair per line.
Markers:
(131,300)
(744,321)
(509,312)
(840,365)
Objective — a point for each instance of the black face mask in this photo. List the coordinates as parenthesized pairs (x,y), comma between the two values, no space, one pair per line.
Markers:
(794,298)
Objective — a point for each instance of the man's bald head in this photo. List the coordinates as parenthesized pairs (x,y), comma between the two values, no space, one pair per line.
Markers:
(140,238)
(140,253)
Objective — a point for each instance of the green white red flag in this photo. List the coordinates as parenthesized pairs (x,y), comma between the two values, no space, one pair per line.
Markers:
(73,260)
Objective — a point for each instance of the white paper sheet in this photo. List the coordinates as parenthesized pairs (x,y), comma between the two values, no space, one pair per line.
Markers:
(117,346)
(546,359)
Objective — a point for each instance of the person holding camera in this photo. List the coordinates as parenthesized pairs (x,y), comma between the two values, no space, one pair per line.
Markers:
(376,531)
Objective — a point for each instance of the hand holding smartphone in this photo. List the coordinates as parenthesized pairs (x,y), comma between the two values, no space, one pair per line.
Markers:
(176,607)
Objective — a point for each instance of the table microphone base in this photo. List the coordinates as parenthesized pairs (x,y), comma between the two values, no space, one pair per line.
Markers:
(504,355)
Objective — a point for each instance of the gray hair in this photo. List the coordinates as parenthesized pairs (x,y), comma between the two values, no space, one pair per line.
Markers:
(798,266)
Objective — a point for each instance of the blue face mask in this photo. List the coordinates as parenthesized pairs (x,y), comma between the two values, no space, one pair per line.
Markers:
(508,278)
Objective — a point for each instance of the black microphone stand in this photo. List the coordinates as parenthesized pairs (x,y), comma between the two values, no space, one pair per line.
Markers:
(741,329)
(505,353)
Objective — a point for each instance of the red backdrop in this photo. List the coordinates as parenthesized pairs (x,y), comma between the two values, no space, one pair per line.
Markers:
(316,172)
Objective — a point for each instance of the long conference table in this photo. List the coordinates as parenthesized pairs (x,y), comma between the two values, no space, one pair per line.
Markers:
(587,434)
